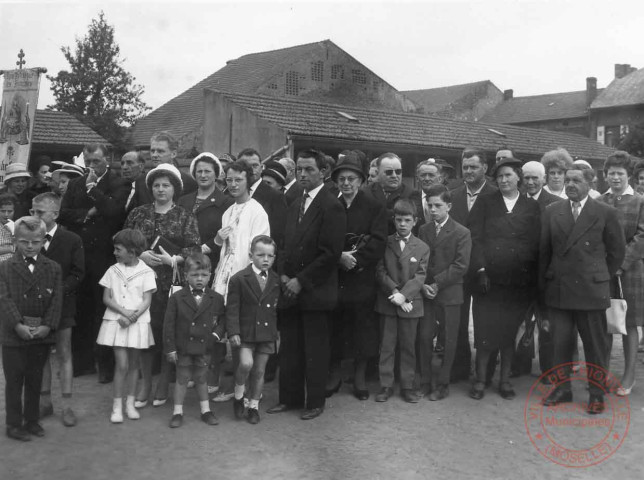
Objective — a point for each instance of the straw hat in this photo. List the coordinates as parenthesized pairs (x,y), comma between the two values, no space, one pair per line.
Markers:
(16,170)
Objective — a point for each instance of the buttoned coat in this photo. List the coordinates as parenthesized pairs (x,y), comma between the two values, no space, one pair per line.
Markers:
(208,214)
(66,249)
(375,191)
(294,192)
(312,249)
(404,270)
(250,312)
(417,198)
(25,293)
(449,259)
(366,217)
(188,327)
(578,259)
(546,198)
(459,211)
(631,219)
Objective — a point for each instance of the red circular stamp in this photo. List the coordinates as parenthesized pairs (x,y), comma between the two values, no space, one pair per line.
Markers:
(566,433)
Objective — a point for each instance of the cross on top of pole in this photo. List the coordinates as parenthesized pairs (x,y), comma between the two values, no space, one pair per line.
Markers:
(21,60)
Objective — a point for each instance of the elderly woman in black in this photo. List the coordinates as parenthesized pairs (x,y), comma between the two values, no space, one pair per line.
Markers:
(162,218)
(354,326)
(505,242)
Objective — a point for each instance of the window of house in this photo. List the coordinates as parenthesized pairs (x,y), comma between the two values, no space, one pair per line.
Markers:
(272,86)
(612,135)
(337,72)
(317,71)
(292,83)
(359,76)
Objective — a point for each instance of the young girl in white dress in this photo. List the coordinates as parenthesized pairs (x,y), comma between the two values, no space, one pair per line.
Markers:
(129,285)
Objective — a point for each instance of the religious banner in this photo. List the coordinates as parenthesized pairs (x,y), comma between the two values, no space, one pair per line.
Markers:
(17,113)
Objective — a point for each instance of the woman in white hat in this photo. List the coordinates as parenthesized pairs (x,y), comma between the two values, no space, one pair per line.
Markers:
(16,181)
(162,218)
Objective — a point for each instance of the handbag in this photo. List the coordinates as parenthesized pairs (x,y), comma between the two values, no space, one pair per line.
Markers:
(175,286)
(616,314)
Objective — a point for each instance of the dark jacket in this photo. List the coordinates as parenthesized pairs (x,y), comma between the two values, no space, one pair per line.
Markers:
(66,249)
(208,217)
(546,198)
(250,312)
(188,327)
(376,192)
(459,211)
(449,259)
(23,293)
(274,205)
(109,197)
(578,259)
(365,217)
(505,243)
(293,193)
(311,250)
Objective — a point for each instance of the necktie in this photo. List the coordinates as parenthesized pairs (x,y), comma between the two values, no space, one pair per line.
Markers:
(426,209)
(438,228)
(403,240)
(44,247)
(30,261)
(302,207)
(262,280)
(263,274)
(197,292)
(575,210)
(131,196)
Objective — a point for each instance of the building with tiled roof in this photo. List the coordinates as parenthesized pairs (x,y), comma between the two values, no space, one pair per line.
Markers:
(468,101)
(619,107)
(235,121)
(319,71)
(60,135)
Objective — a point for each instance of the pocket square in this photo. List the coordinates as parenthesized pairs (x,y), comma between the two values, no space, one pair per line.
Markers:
(49,290)
(413,259)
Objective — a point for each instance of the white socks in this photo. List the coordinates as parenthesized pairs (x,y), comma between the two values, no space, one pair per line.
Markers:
(239,391)
(253,404)
(178,410)
(132,412)
(205,406)
(117,411)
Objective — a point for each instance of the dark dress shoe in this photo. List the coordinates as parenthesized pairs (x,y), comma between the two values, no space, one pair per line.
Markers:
(311,413)
(18,433)
(506,391)
(384,394)
(556,397)
(176,421)
(477,392)
(335,389)
(209,418)
(596,405)
(441,392)
(409,396)
(361,394)
(425,390)
(253,416)
(238,408)
(104,377)
(35,429)
(279,408)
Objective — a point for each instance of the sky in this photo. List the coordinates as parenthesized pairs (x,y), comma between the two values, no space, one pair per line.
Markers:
(532,47)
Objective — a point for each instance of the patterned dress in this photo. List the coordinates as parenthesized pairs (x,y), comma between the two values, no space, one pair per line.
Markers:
(177,225)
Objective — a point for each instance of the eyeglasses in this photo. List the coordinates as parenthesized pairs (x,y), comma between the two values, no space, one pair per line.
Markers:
(347,179)
(37,212)
(397,171)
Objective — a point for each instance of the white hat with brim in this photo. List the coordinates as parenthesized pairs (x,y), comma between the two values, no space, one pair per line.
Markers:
(72,170)
(205,156)
(16,170)
(164,169)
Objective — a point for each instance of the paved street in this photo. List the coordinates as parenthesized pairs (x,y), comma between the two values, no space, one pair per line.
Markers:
(457,438)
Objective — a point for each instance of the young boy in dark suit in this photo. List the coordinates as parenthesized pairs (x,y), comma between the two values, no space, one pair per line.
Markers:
(450,246)
(189,321)
(30,302)
(251,322)
(65,248)
(400,275)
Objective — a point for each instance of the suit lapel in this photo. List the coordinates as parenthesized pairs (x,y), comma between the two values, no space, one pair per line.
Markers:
(187,298)
(310,214)
(206,300)
(21,268)
(395,246)
(252,282)
(587,218)
(444,233)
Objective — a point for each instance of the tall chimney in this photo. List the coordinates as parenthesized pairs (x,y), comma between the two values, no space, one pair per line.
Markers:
(621,70)
(508,94)
(591,90)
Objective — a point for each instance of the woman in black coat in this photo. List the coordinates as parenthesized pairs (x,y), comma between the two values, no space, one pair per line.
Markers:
(505,243)
(353,325)
(208,203)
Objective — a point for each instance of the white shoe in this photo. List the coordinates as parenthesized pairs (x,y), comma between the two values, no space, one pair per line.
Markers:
(132,412)
(223,396)
(117,416)
(140,403)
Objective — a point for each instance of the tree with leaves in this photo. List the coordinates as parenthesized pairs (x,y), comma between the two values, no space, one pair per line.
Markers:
(633,141)
(98,90)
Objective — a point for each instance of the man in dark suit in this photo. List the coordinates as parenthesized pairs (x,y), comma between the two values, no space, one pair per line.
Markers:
(582,246)
(133,171)
(474,167)
(307,265)
(65,248)
(163,149)
(428,173)
(273,202)
(534,178)
(94,209)
(292,190)
(450,246)
(388,187)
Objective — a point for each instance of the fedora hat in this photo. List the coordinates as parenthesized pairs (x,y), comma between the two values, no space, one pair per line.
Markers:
(351,162)
(506,162)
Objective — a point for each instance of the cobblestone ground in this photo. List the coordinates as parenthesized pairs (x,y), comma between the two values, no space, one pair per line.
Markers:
(453,439)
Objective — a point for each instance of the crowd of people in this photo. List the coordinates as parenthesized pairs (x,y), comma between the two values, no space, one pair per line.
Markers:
(304,264)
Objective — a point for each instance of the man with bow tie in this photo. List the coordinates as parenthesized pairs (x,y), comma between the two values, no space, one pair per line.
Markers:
(582,246)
